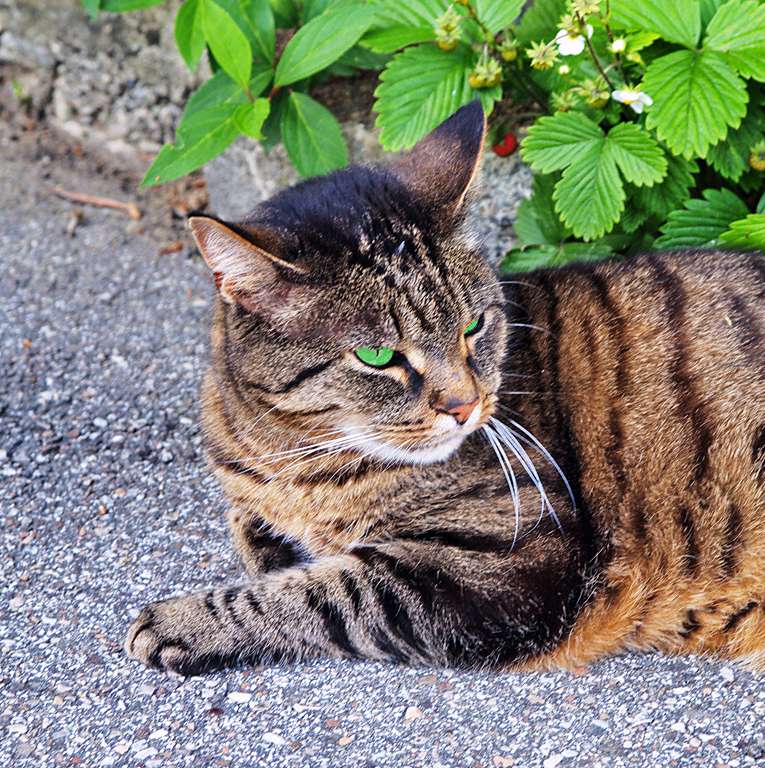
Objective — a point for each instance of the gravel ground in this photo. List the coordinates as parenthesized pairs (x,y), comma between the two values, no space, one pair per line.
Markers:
(106,504)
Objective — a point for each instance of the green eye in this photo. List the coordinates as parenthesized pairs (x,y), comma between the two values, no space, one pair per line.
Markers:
(471,328)
(377,357)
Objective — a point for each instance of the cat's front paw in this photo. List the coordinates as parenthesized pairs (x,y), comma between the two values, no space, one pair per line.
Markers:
(178,635)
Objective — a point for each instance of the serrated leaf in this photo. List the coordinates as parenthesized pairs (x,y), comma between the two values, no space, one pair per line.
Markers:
(540,22)
(678,21)
(589,198)
(498,14)
(550,256)
(392,38)
(413,13)
(320,42)
(659,200)
(203,136)
(312,136)
(701,221)
(697,97)
(227,42)
(554,142)
(730,158)
(632,218)
(746,234)
(419,88)
(121,6)
(638,155)
(189,33)
(536,222)
(708,10)
(738,31)
(249,117)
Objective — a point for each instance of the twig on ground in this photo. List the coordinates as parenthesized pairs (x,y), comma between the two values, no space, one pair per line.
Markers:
(131,209)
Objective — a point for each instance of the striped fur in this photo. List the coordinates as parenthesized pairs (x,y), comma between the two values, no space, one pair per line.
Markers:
(644,379)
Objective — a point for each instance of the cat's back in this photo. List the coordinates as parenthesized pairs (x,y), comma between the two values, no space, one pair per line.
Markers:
(656,372)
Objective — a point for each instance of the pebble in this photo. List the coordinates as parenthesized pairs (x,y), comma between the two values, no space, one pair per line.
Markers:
(274,738)
(239,697)
(412,713)
(726,673)
(144,754)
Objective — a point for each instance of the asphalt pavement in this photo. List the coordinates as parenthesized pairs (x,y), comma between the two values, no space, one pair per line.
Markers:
(105,504)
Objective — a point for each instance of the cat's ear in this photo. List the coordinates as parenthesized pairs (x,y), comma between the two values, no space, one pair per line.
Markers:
(251,274)
(442,167)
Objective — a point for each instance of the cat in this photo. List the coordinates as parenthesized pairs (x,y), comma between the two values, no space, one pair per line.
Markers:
(430,465)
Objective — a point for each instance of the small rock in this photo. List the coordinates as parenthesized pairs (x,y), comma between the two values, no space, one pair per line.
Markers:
(144,754)
(502,762)
(679,727)
(412,713)
(121,747)
(726,673)
(146,690)
(239,697)
(344,741)
(553,761)
(274,738)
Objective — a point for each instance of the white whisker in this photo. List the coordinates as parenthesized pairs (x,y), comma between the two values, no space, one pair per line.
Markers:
(507,470)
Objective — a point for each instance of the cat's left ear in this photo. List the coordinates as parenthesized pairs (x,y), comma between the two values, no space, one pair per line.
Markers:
(442,167)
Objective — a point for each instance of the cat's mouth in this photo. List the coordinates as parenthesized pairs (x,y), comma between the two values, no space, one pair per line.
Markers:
(439,442)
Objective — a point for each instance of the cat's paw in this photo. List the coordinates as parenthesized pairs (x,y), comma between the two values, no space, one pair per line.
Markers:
(177,635)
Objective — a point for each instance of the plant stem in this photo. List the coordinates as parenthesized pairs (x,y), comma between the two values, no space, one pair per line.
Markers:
(598,64)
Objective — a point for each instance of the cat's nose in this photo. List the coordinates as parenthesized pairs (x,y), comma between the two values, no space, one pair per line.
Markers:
(459,409)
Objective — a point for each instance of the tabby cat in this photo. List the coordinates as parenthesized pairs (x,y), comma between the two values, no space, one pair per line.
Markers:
(431,466)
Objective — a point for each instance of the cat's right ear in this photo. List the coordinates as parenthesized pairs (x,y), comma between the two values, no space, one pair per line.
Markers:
(249,274)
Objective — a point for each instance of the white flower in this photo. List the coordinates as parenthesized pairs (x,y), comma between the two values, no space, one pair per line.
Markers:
(564,69)
(618,45)
(633,98)
(571,43)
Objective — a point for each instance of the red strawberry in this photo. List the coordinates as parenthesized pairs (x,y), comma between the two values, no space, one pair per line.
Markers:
(507,146)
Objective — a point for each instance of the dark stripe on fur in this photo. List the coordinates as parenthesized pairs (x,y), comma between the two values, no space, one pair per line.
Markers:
(296,381)
(334,622)
(732,541)
(688,529)
(736,618)
(758,452)
(689,402)
(691,625)
(351,587)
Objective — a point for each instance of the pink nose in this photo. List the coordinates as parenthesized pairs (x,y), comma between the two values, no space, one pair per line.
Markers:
(461,411)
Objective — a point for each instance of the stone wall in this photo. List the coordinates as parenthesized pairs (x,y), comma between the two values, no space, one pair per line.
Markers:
(118,86)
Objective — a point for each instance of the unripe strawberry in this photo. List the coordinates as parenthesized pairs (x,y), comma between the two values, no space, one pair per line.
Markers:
(757,157)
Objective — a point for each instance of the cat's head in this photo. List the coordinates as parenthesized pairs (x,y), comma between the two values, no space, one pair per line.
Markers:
(359,303)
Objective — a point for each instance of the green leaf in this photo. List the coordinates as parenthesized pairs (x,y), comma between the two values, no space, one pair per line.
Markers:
(320,42)
(286,13)
(203,136)
(730,158)
(761,205)
(638,155)
(536,222)
(412,13)
(249,117)
(589,198)
(540,22)
(392,38)
(420,88)
(701,221)
(738,30)
(550,256)
(590,195)
(259,19)
(498,14)
(312,136)
(554,142)
(91,7)
(189,33)
(220,90)
(659,200)
(678,21)
(708,10)
(746,234)
(121,6)
(228,43)
(272,128)
(697,96)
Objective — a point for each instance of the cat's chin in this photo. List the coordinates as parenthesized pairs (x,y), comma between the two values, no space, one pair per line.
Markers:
(428,455)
